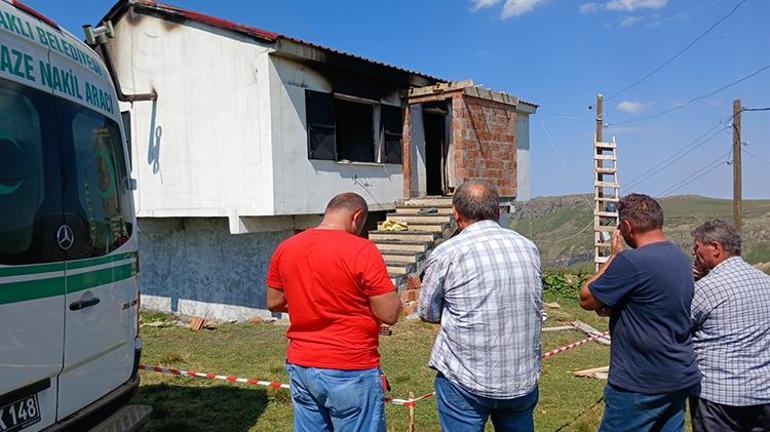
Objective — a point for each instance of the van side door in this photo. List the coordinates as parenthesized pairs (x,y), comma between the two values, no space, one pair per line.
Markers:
(101,298)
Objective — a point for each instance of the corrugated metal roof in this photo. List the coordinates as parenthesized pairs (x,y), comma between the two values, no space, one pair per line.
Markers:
(260,34)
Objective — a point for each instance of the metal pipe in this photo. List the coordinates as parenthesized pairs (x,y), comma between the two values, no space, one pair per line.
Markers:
(107,57)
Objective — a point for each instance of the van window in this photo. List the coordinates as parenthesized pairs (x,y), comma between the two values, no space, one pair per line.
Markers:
(30,208)
(97,192)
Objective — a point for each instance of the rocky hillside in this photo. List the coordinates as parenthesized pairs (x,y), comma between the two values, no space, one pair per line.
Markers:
(562,226)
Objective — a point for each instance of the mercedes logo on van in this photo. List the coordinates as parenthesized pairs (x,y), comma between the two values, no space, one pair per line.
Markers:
(65,237)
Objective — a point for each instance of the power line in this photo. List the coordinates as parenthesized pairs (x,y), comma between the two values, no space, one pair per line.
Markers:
(678,107)
(697,174)
(759,158)
(682,51)
(677,155)
(755,109)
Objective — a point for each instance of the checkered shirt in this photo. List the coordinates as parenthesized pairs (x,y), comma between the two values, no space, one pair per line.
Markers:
(731,315)
(484,287)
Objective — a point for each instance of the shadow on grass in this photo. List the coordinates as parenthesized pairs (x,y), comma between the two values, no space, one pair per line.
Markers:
(202,408)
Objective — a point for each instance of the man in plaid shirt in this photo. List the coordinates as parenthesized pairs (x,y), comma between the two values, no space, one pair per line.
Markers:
(484,287)
(731,317)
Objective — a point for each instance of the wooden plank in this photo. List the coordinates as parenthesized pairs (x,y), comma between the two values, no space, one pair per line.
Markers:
(590,331)
(558,328)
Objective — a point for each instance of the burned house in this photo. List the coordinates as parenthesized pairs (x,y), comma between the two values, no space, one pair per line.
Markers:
(252,132)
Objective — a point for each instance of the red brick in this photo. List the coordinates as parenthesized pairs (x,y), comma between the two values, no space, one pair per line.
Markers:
(409,295)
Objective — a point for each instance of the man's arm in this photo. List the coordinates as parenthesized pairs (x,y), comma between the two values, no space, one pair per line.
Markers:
(432,289)
(587,299)
(386,307)
(276,300)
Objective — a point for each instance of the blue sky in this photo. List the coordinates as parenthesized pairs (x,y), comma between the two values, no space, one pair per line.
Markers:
(559,54)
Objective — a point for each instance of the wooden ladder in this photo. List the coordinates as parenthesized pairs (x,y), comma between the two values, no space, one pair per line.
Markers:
(606,198)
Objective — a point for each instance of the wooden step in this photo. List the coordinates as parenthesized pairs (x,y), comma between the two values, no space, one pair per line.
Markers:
(602,244)
(601,259)
(387,246)
(444,210)
(420,219)
(402,235)
(607,199)
(605,145)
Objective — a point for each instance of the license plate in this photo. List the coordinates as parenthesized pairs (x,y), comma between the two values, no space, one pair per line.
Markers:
(20,414)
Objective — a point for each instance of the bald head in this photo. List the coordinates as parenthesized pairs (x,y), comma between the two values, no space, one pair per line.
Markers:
(346,211)
(477,200)
(347,201)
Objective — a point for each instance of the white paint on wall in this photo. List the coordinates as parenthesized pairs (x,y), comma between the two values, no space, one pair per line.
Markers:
(203,148)
(419,186)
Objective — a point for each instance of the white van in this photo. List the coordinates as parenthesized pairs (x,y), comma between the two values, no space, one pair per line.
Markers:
(69,299)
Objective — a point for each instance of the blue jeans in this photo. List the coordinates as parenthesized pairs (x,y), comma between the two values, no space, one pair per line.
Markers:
(462,411)
(630,411)
(337,400)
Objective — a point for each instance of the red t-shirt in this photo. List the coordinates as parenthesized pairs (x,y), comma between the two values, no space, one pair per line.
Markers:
(327,277)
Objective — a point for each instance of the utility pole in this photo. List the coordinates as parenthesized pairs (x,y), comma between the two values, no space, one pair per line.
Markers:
(599,117)
(737,191)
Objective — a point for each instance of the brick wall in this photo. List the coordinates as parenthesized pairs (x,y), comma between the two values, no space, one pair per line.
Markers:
(484,137)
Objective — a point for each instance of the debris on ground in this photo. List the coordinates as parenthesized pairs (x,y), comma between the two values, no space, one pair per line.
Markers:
(197,323)
(394,225)
(552,305)
(427,210)
(590,331)
(558,328)
(596,373)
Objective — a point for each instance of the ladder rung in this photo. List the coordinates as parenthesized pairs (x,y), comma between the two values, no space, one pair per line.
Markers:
(602,244)
(607,199)
(601,259)
(611,157)
(606,184)
(606,214)
(604,170)
(604,228)
(606,145)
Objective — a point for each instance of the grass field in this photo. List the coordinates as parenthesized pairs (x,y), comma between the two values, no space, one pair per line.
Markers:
(257,351)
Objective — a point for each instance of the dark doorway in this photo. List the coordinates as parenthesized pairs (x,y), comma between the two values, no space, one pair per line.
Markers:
(434,123)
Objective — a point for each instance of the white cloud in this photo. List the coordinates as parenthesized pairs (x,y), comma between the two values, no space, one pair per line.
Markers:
(633,107)
(632,5)
(589,7)
(513,8)
(481,4)
(628,21)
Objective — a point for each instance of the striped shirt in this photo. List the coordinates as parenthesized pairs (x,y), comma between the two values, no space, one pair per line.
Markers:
(484,287)
(731,315)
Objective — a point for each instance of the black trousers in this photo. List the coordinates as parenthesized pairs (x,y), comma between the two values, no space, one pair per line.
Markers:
(710,416)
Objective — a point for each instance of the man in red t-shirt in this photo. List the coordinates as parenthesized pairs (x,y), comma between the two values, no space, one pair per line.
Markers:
(336,289)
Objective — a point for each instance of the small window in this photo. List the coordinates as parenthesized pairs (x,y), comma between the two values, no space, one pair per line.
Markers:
(321,141)
(22,173)
(355,131)
(98,188)
(125,117)
(393,125)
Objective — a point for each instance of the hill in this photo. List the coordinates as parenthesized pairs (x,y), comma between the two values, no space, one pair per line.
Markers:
(562,227)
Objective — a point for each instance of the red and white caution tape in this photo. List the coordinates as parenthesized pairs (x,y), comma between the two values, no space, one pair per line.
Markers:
(228,378)
(408,402)
(395,401)
(574,345)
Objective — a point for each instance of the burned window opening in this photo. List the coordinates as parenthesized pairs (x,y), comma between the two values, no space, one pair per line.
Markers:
(355,131)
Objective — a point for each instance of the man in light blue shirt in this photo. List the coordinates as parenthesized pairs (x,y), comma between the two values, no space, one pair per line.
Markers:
(731,318)
(484,287)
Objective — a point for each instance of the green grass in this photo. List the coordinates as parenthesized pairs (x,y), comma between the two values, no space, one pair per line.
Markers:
(257,351)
